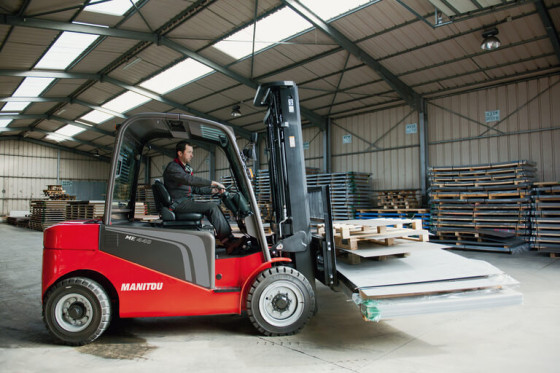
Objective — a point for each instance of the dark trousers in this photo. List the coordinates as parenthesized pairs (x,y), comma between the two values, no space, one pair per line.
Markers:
(212,213)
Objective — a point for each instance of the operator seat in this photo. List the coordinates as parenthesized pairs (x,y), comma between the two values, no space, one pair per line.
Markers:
(168,216)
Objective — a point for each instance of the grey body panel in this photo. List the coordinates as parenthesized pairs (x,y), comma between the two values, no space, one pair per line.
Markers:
(186,255)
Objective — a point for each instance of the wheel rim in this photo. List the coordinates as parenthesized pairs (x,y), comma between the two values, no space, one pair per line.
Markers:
(73,312)
(281,303)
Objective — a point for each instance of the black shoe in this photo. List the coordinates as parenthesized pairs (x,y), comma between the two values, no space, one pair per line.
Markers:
(236,246)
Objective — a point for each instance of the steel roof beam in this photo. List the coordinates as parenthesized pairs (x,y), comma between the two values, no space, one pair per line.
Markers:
(411,97)
(7,19)
(103,78)
(56,146)
(549,27)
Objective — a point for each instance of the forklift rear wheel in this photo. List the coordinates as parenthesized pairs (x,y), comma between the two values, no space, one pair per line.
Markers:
(280,301)
(77,311)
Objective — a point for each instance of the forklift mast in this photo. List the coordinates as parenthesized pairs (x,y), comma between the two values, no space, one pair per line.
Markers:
(292,217)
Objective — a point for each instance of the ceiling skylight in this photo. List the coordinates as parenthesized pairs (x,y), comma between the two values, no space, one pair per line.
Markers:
(5,122)
(30,87)
(15,106)
(176,76)
(65,133)
(270,30)
(96,116)
(125,102)
(113,7)
(65,50)
(328,9)
(282,25)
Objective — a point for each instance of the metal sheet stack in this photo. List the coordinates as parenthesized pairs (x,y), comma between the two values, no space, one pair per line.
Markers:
(546,217)
(350,191)
(482,207)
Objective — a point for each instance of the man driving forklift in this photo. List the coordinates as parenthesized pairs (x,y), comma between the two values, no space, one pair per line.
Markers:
(181,184)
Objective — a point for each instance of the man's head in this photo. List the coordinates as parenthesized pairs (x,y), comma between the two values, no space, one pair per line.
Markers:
(184,151)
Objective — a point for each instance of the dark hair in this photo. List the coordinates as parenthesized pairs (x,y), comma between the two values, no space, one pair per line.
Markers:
(181,145)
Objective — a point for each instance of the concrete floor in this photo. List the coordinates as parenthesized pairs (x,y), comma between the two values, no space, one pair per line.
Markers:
(512,339)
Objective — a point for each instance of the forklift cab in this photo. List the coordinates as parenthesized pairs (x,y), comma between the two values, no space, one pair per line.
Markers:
(179,246)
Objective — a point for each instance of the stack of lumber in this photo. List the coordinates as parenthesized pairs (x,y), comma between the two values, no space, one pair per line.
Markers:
(45,213)
(56,192)
(19,218)
(397,199)
(546,217)
(468,203)
(85,210)
(375,238)
(145,194)
(423,214)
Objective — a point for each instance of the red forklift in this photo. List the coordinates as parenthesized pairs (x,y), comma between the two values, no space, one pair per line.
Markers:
(94,270)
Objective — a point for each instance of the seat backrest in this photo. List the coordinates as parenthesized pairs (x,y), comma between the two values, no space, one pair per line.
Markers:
(161,195)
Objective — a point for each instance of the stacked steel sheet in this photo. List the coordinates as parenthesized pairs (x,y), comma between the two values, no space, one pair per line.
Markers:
(350,191)
(546,217)
(423,214)
(482,207)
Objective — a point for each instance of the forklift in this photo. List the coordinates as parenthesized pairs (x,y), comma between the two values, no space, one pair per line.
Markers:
(97,270)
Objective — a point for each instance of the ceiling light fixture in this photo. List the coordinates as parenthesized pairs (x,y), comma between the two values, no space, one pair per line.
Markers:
(236,111)
(490,42)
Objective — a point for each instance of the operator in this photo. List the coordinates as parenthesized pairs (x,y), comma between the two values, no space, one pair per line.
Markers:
(182,184)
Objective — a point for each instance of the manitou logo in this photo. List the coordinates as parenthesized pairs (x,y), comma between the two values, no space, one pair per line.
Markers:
(141,286)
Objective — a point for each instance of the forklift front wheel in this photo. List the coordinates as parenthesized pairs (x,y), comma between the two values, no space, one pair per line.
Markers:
(77,311)
(280,301)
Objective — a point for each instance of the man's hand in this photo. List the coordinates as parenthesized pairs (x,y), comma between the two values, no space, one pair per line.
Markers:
(218,188)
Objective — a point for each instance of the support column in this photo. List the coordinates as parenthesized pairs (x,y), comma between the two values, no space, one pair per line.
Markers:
(327,149)
(423,124)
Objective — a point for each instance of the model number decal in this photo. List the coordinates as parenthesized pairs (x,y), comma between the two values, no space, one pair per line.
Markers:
(141,286)
(138,239)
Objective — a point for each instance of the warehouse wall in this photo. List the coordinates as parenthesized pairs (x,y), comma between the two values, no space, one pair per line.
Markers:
(529,126)
(381,145)
(26,169)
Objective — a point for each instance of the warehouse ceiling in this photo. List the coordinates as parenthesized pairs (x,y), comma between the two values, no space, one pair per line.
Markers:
(71,70)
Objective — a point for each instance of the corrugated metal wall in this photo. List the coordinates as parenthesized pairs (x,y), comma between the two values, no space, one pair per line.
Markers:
(382,143)
(528,126)
(379,143)
(26,169)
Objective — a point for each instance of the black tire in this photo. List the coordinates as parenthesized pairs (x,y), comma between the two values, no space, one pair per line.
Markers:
(280,301)
(77,311)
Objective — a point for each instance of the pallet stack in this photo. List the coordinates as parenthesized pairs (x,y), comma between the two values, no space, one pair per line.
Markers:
(145,194)
(545,217)
(45,213)
(85,210)
(482,207)
(56,192)
(379,239)
(397,199)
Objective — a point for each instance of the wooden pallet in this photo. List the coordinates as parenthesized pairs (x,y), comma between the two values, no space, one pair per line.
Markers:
(351,234)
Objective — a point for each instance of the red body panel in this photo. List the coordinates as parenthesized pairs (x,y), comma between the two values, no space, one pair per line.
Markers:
(72,247)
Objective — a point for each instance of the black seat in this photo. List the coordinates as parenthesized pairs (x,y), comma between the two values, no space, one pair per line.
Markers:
(168,216)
